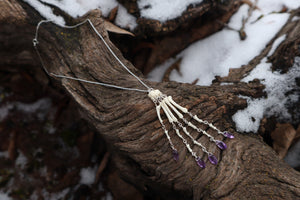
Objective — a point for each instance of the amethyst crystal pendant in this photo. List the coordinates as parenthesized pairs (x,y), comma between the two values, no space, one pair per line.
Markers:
(228,135)
(221,145)
(212,159)
(175,155)
(200,163)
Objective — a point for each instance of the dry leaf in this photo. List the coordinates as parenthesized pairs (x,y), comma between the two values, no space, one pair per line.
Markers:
(115,29)
(12,151)
(284,9)
(242,34)
(175,65)
(283,136)
(101,167)
(195,81)
(113,13)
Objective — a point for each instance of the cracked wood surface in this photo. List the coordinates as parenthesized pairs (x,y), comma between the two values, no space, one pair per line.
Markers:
(248,169)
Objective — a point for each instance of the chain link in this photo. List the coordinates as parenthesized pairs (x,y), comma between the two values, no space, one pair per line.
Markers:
(191,137)
(206,123)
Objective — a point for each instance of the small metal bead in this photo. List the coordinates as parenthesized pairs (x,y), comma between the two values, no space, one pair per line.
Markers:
(185,121)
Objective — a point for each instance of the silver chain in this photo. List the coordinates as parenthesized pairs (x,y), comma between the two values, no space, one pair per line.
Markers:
(36,42)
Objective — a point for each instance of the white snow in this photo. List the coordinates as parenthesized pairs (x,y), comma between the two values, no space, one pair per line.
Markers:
(4,110)
(87,175)
(77,8)
(277,86)
(104,5)
(157,73)
(4,196)
(108,196)
(215,55)
(164,10)
(72,7)
(269,6)
(276,43)
(41,107)
(124,19)
(21,160)
(4,154)
(293,155)
(34,196)
(151,9)
(55,196)
(45,11)
(296,18)
(49,128)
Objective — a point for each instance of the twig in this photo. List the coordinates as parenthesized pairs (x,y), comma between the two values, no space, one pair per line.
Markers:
(101,167)
(175,65)
(242,32)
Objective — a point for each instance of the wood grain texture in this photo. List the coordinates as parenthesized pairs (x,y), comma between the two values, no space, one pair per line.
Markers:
(248,169)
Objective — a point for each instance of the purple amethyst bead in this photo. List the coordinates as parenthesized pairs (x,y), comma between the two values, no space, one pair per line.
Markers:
(213,159)
(175,155)
(221,144)
(228,135)
(200,162)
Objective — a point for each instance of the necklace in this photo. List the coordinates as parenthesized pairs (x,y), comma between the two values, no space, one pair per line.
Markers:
(173,111)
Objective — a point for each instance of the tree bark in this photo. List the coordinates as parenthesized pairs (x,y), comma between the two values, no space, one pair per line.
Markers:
(248,169)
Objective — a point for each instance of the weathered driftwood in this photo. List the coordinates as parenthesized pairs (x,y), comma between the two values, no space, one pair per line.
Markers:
(248,169)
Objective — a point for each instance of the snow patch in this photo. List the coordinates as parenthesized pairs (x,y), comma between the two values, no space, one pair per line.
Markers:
(295,18)
(268,6)
(34,196)
(104,5)
(41,107)
(277,88)
(293,155)
(158,72)
(21,160)
(55,196)
(108,196)
(216,54)
(276,43)
(77,8)
(4,110)
(3,154)
(87,175)
(124,19)
(164,10)
(4,196)
(49,128)
(45,11)
(226,83)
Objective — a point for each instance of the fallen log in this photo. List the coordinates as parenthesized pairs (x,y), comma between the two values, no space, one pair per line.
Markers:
(248,169)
